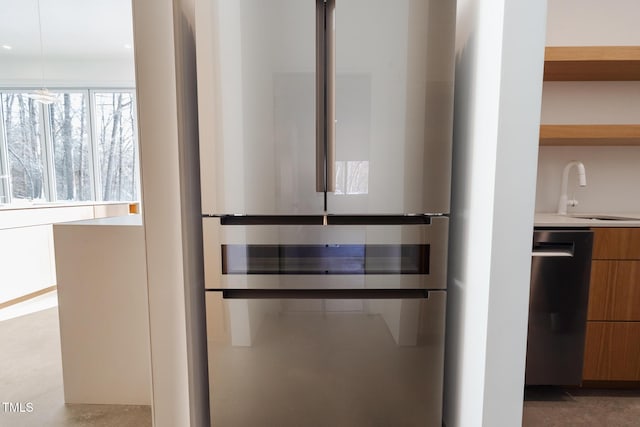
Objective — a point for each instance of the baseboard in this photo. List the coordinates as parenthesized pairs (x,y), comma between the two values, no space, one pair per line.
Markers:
(27,297)
(611,384)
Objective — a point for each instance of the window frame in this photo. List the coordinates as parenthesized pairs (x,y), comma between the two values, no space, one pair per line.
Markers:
(46,141)
(5,178)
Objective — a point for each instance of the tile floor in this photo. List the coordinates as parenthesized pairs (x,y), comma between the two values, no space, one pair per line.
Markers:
(31,372)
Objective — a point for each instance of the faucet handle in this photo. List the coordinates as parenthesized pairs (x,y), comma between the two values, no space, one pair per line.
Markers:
(572,203)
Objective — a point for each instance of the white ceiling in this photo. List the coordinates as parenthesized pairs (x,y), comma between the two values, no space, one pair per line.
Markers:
(70,28)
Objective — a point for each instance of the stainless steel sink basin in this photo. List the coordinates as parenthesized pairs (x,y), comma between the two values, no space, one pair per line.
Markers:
(606,217)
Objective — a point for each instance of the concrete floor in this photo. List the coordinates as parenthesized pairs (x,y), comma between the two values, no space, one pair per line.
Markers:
(31,373)
(31,377)
(558,407)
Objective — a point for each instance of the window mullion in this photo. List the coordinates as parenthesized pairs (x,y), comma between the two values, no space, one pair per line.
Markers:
(97,175)
(136,147)
(93,151)
(47,150)
(5,178)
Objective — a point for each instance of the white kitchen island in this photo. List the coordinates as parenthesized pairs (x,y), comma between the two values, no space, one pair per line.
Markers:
(103,308)
(27,258)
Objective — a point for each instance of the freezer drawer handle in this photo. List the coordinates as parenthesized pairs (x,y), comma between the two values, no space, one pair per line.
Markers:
(324,293)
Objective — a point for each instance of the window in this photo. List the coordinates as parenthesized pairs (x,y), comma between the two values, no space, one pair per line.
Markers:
(82,147)
(352,177)
(24,169)
(117,145)
(69,137)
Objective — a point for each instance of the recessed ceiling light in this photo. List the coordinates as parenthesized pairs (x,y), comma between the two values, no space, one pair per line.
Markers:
(127,46)
(6,47)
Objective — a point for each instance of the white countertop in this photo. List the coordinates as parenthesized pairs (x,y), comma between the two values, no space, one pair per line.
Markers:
(125,220)
(23,215)
(22,205)
(555,220)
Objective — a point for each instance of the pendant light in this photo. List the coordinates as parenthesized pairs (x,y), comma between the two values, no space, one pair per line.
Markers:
(42,95)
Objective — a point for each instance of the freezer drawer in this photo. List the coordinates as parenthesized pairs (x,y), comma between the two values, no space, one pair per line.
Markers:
(352,359)
(325,257)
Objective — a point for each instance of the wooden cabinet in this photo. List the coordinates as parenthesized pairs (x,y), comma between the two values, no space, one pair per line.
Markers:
(612,345)
(616,243)
(615,291)
(591,63)
(613,351)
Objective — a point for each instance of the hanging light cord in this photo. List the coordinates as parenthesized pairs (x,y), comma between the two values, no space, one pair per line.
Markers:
(42,95)
(41,46)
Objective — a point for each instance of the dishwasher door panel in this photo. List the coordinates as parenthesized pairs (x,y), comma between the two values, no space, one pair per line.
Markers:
(326,361)
(560,273)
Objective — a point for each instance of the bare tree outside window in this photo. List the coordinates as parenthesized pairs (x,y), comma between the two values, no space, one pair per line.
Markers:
(352,177)
(71,146)
(81,147)
(117,145)
(24,149)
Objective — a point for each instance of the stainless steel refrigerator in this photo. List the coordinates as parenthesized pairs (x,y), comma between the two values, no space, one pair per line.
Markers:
(325,145)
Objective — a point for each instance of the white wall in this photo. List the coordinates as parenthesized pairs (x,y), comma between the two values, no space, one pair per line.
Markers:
(612,173)
(160,178)
(590,102)
(498,85)
(165,63)
(67,72)
(26,261)
(593,23)
(72,42)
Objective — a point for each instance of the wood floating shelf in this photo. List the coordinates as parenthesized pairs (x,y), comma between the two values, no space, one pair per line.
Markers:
(589,135)
(591,63)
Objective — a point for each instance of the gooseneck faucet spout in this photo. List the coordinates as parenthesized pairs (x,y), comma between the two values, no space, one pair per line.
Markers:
(563,202)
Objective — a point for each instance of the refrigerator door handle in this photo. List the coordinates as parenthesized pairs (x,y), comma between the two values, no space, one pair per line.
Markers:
(324,293)
(325,96)
(330,88)
(320,109)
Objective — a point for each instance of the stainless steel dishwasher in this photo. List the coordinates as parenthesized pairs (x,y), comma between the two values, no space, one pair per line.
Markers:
(559,295)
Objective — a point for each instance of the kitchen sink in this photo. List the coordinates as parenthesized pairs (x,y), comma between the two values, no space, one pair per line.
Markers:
(606,217)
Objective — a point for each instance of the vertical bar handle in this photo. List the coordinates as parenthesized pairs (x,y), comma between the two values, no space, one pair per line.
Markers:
(325,96)
(320,97)
(330,88)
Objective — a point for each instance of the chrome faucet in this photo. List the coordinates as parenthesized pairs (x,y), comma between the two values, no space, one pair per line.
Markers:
(563,202)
